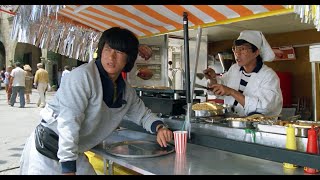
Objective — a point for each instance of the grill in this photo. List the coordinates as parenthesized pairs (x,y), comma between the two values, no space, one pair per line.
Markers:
(165,101)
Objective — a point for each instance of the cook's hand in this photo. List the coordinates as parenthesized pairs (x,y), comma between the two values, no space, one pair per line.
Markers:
(164,135)
(221,90)
(145,51)
(209,73)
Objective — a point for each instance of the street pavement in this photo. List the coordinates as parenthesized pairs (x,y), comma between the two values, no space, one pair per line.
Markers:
(16,124)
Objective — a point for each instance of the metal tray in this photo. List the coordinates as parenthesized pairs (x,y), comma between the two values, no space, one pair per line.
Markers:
(308,123)
(138,149)
(208,113)
(240,124)
(301,132)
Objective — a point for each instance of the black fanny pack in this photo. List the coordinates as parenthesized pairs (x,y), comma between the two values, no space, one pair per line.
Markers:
(46,142)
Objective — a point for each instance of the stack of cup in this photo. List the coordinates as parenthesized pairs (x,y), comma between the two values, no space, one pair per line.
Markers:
(290,144)
(180,141)
(312,148)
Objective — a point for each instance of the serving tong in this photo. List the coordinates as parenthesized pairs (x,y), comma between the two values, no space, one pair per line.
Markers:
(203,87)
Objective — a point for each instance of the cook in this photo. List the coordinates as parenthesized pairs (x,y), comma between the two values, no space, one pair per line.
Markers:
(89,105)
(249,85)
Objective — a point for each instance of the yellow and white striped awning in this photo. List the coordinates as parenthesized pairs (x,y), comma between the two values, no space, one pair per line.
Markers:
(148,20)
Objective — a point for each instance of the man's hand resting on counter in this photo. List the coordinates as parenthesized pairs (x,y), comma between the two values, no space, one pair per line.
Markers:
(164,135)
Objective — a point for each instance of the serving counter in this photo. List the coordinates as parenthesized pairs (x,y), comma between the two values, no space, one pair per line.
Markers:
(198,160)
(268,146)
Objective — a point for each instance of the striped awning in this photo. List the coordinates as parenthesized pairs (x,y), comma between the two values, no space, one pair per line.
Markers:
(148,20)
(77,28)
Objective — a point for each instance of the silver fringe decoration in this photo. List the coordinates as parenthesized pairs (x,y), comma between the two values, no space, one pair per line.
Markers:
(308,14)
(33,24)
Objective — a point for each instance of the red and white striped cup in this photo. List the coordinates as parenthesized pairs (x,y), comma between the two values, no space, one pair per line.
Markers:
(180,141)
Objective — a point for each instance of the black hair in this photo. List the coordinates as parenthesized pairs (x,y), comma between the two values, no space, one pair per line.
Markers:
(240,42)
(18,64)
(122,40)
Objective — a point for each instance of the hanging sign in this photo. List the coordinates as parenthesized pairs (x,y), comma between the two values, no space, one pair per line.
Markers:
(284,53)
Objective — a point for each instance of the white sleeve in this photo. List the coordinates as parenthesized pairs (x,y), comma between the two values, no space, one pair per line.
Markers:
(73,97)
(139,113)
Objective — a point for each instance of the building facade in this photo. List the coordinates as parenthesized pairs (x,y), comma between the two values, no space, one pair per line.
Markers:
(12,51)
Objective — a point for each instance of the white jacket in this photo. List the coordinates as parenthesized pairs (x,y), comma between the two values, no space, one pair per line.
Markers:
(262,93)
(83,119)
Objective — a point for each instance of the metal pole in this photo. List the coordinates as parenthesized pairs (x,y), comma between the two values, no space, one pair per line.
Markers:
(314,90)
(186,55)
(187,124)
(198,43)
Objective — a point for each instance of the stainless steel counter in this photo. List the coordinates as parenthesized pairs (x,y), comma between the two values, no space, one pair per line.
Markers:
(264,138)
(198,160)
(268,146)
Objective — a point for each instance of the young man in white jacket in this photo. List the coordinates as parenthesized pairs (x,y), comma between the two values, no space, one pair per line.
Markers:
(90,104)
(249,85)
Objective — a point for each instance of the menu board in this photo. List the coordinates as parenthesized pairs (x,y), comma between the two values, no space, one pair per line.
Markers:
(155,68)
(155,58)
(284,53)
(153,64)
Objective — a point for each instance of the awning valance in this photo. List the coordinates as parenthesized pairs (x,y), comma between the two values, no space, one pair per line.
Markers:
(74,30)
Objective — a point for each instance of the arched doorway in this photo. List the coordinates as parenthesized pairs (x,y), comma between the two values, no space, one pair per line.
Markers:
(2,56)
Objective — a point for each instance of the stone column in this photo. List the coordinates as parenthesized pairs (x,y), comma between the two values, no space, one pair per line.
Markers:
(44,53)
(9,45)
(49,69)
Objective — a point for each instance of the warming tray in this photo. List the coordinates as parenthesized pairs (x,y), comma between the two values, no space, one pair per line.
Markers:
(299,131)
(138,149)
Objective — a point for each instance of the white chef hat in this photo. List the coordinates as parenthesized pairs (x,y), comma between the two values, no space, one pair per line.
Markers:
(257,38)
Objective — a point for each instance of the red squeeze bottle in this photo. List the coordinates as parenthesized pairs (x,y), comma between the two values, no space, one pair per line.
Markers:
(312,147)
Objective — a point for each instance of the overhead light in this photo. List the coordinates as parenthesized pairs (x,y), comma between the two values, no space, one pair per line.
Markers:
(80,8)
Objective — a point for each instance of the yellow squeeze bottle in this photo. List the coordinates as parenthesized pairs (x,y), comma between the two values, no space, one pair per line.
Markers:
(290,144)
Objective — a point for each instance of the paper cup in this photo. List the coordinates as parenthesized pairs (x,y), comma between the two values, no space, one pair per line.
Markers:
(180,141)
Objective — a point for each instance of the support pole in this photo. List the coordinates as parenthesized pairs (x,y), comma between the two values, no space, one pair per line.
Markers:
(187,124)
(186,55)
(198,43)
(314,91)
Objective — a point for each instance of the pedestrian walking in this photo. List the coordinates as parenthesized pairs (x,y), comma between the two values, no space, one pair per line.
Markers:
(41,80)
(17,81)
(29,82)
(6,82)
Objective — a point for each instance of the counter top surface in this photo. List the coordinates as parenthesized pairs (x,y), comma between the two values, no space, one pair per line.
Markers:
(198,160)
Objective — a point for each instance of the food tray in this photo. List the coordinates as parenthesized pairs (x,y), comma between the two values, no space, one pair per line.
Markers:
(277,129)
(308,123)
(138,149)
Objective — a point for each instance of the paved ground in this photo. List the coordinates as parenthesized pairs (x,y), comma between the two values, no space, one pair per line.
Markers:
(16,124)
